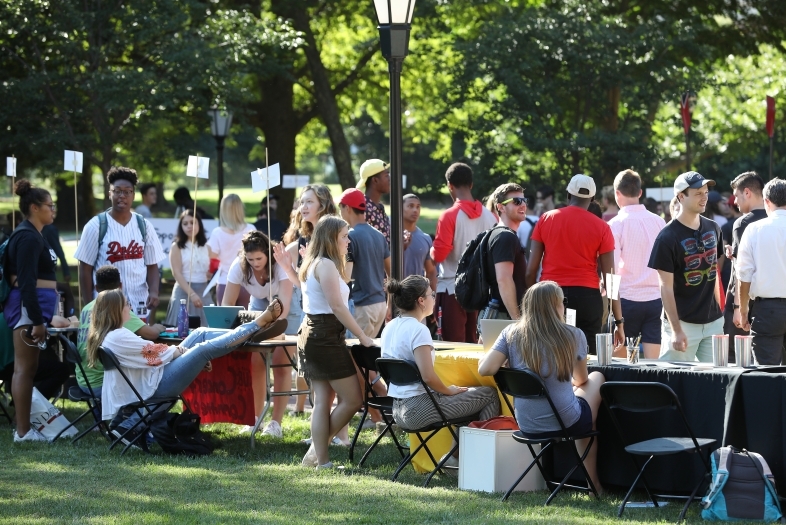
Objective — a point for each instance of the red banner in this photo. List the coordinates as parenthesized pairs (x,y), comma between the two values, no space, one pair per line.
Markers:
(685,112)
(225,394)
(770,116)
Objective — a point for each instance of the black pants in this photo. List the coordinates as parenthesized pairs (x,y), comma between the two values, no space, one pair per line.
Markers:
(768,329)
(588,304)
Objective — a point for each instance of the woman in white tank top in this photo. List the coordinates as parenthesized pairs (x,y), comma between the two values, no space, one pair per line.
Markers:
(190,264)
(324,356)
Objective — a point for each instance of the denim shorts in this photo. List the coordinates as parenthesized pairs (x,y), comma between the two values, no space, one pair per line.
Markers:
(643,318)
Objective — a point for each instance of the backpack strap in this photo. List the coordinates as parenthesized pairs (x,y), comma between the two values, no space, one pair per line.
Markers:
(103,225)
(766,474)
(721,476)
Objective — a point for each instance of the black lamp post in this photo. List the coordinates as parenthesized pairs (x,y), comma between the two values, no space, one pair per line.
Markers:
(395,17)
(219,128)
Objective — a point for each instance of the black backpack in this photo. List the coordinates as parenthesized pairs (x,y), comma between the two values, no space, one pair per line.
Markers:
(472,282)
(180,434)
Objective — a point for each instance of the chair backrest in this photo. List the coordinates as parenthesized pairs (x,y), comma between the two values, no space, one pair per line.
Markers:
(110,362)
(366,356)
(525,384)
(398,371)
(632,396)
(72,356)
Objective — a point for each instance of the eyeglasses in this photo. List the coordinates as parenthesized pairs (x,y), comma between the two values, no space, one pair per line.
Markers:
(52,207)
(122,193)
(433,295)
(517,201)
(692,262)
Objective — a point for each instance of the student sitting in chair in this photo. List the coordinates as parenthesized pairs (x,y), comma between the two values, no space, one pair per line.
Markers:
(158,370)
(541,342)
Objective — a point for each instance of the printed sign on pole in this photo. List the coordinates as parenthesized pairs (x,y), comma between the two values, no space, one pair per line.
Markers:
(10,166)
(264,179)
(72,161)
(197,167)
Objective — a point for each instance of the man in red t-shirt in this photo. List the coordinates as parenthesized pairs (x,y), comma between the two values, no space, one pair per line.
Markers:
(567,242)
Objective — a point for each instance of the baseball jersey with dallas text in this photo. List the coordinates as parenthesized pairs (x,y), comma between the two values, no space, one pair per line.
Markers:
(124,248)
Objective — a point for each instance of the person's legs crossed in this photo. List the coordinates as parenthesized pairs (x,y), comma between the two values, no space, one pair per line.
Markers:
(590,391)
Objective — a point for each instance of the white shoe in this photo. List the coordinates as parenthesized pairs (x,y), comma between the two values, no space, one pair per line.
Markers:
(273,429)
(310,459)
(335,441)
(246,429)
(451,466)
(32,435)
(328,465)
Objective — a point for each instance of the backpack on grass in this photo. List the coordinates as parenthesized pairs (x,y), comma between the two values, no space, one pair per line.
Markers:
(180,434)
(742,488)
(472,284)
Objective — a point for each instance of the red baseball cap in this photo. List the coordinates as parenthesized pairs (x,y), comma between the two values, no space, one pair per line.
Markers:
(353,198)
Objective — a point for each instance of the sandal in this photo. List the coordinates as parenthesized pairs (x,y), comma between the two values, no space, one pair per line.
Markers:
(272,308)
(274,329)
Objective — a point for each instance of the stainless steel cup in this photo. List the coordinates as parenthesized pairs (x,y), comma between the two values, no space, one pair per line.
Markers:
(743,350)
(720,350)
(604,345)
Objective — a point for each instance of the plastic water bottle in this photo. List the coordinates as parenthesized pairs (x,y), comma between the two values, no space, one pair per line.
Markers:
(439,324)
(141,311)
(491,310)
(182,320)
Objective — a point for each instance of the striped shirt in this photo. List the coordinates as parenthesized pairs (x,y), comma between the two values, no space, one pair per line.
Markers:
(124,248)
(635,230)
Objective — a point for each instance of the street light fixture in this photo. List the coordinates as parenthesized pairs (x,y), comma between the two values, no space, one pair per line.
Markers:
(219,128)
(394,18)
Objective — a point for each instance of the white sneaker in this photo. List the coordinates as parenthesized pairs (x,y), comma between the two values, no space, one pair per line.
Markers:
(32,435)
(273,429)
(326,466)
(451,466)
(246,429)
(310,459)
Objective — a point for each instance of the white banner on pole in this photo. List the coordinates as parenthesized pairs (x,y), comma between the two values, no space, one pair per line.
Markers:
(10,166)
(265,178)
(72,161)
(197,166)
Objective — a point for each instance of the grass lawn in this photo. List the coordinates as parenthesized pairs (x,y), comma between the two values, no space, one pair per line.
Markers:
(85,483)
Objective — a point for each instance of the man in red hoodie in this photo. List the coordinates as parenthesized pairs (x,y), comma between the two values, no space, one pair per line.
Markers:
(457,225)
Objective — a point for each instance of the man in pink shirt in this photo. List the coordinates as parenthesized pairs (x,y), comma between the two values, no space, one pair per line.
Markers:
(635,230)
(457,225)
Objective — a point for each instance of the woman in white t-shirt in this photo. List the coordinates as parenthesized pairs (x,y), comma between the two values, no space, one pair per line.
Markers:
(225,243)
(158,370)
(190,265)
(251,273)
(407,338)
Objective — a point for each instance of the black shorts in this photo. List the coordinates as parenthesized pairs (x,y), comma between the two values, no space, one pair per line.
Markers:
(579,428)
(643,317)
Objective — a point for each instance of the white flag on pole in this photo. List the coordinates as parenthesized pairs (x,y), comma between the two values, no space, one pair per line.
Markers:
(72,161)
(10,166)
(197,167)
(265,179)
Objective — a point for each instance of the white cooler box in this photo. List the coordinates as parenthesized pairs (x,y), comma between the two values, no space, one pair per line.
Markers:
(491,460)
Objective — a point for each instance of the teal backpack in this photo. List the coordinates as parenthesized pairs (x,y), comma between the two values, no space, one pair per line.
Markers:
(742,488)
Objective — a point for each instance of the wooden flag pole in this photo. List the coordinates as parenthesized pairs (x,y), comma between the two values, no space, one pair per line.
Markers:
(76,224)
(269,241)
(193,232)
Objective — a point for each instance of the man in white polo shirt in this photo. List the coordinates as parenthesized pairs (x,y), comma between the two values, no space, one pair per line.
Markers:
(761,271)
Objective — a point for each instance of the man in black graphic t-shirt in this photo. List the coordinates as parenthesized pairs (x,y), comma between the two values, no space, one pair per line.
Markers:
(686,257)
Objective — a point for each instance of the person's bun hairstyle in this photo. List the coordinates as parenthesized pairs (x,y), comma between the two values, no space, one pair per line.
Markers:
(22,187)
(392,286)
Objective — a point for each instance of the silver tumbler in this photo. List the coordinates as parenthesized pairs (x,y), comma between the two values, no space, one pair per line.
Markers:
(604,345)
(743,350)
(720,350)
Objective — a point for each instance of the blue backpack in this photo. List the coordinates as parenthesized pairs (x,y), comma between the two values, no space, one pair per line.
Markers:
(742,488)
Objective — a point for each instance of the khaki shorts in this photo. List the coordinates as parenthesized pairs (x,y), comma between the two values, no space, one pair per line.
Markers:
(371,317)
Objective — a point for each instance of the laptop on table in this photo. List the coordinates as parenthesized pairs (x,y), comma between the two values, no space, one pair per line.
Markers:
(490,330)
(221,316)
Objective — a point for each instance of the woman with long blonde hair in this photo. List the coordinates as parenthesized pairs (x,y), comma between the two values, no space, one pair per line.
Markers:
(541,342)
(225,243)
(159,370)
(324,356)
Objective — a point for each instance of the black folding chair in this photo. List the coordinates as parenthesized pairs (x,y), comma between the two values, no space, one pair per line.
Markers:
(76,394)
(653,397)
(528,385)
(143,408)
(365,358)
(3,410)
(400,372)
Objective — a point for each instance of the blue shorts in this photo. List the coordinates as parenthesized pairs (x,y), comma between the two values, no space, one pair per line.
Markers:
(643,318)
(579,428)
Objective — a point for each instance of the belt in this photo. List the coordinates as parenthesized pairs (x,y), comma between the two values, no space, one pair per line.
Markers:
(760,299)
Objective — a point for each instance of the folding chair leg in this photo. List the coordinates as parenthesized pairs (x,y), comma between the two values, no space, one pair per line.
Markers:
(691,498)
(535,461)
(580,463)
(633,486)
(412,454)
(441,464)
(357,433)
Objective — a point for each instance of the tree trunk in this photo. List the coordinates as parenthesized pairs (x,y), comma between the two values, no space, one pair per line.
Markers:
(326,101)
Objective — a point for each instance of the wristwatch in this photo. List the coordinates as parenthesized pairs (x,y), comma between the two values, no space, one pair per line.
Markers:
(736,306)
(619,321)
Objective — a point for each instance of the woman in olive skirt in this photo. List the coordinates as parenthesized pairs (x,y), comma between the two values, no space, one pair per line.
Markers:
(324,355)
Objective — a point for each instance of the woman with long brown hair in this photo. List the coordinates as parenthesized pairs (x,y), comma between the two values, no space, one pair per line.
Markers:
(541,342)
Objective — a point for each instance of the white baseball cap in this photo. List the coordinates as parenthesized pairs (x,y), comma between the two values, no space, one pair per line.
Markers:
(582,186)
(368,169)
(691,179)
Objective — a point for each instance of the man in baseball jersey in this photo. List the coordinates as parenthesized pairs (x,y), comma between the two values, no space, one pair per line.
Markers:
(122,246)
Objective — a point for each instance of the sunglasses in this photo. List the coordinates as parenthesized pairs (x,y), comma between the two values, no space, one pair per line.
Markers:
(517,201)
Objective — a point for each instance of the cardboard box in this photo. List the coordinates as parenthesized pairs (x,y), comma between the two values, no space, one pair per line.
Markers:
(491,460)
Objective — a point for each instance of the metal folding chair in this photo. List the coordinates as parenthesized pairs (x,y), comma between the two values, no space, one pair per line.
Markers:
(400,372)
(528,385)
(653,397)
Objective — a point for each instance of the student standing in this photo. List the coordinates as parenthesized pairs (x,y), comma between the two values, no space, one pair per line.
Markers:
(190,265)
(685,255)
(225,243)
(417,243)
